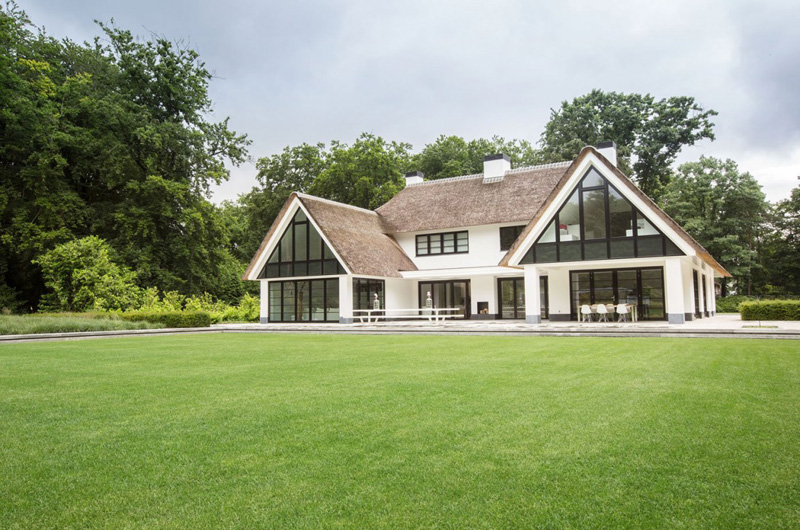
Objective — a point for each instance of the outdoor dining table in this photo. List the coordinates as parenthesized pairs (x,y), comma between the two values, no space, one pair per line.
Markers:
(612,310)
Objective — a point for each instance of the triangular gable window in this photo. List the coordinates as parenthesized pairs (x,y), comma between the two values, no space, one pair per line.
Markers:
(597,222)
(301,252)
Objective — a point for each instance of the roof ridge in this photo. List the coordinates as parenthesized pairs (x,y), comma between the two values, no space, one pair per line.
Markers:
(523,169)
(334,203)
(448,179)
(550,165)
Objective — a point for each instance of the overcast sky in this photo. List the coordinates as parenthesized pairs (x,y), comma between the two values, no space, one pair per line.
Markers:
(299,71)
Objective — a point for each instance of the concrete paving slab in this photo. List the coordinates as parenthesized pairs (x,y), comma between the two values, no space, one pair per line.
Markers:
(719,326)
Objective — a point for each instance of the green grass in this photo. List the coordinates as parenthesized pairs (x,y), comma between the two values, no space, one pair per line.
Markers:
(315,431)
(66,322)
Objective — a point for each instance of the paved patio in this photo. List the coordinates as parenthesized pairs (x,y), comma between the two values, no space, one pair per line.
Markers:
(725,325)
(720,326)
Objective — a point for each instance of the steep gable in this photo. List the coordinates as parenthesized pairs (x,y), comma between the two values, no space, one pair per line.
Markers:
(352,236)
(650,226)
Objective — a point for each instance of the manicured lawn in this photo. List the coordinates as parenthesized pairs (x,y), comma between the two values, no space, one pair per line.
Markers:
(315,431)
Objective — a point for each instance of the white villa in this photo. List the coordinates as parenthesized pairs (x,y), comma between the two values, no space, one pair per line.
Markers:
(529,243)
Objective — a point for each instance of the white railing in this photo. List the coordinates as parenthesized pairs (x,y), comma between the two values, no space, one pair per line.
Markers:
(433,314)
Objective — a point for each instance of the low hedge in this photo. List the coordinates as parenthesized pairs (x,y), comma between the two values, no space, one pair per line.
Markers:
(730,304)
(171,319)
(770,310)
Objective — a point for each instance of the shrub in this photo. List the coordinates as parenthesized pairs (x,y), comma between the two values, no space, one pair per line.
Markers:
(64,323)
(730,304)
(771,310)
(82,275)
(171,319)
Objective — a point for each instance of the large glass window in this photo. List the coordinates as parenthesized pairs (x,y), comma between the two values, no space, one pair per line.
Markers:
(304,300)
(642,287)
(446,243)
(301,252)
(598,223)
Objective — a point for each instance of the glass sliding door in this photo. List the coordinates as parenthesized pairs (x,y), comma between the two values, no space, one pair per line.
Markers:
(642,287)
(651,305)
(304,300)
(451,293)
(512,297)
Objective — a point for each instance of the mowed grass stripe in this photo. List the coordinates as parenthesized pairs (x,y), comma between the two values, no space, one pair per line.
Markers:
(319,431)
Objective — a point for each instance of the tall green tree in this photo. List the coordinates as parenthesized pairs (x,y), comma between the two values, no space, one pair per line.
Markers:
(111,139)
(451,156)
(365,174)
(724,210)
(780,250)
(649,133)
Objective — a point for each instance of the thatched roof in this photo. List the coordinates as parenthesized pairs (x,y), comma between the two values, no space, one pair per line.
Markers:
(359,237)
(467,201)
(362,237)
(355,234)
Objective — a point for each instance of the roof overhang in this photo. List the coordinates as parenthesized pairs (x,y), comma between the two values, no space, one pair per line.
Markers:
(461,272)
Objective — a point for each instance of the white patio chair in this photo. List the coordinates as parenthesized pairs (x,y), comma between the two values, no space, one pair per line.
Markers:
(622,311)
(602,313)
(586,313)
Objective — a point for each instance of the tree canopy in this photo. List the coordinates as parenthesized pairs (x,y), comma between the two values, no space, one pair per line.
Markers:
(109,139)
(649,133)
(451,156)
(724,210)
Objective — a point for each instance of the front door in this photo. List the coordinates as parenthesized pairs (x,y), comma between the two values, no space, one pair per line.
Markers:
(450,293)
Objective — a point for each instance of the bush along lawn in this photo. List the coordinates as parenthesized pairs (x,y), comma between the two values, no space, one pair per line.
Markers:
(43,323)
(771,310)
(353,432)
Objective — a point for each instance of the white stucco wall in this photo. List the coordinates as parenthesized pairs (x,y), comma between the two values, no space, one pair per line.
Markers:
(558,291)
(400,294)
(264,302)
(484,289)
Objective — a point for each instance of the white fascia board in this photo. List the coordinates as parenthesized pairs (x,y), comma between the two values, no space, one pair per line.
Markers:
(551,210)
(461,272)
(569,188)
(273,241)
(281,228)
(623,263)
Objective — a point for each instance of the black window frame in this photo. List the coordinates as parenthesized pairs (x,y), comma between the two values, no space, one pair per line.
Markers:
(574,308)
(578,248)
(280,266)
(372,286)
(515,230)
(281,306)
(460,245)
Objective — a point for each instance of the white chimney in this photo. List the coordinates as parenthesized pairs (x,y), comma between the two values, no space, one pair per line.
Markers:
(608,150)
(415,177)
(495,167)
